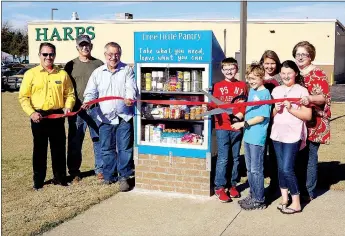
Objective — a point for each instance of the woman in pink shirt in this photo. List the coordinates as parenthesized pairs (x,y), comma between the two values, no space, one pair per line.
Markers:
(289,133)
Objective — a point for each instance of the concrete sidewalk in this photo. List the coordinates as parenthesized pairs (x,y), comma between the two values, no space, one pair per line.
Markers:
(151,213)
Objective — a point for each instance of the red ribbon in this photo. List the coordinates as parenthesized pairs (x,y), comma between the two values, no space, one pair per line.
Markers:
(178,102)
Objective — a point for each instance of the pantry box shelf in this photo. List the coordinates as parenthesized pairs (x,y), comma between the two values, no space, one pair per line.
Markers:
(173,120)
(171,92)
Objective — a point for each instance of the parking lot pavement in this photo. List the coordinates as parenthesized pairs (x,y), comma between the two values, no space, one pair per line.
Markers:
(338,93)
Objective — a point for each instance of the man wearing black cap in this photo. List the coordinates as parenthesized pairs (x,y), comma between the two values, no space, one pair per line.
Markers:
(80,69)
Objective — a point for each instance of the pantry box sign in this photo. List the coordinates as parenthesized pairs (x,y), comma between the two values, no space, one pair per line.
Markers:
(173,47)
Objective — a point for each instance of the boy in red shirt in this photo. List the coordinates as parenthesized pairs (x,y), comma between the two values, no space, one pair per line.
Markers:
(227,137)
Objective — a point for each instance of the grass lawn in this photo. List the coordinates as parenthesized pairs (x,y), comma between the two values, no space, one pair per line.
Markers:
(25,212)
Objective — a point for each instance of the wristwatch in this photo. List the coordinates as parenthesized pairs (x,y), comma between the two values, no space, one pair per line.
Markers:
(246,125)
(235,119)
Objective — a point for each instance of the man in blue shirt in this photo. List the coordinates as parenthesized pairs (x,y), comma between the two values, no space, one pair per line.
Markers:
(115,131)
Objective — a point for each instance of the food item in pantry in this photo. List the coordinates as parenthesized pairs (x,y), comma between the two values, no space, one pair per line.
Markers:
(204,108)
(142,81)
(148,81)
(172,83)
(162,126)
(154,80)
(195,86)
(196,81)
(157,112)
(186,81)
(166,112)
(192,113)
(179,83)
(191,138)
(160,81)
(198,111)
(157,134)
(147,132)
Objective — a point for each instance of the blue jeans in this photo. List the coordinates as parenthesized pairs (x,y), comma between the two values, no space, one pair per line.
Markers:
(76,133)
(286,156)
(227,139)
(308,169)
(254,157)
(116,149)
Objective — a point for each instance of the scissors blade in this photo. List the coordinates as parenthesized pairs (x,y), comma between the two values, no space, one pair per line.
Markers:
(213,99)
(215,112)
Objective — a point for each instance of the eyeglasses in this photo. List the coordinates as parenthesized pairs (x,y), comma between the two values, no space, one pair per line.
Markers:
(303,55)
(48,54)
(231,69)
(84,44)
(112,55)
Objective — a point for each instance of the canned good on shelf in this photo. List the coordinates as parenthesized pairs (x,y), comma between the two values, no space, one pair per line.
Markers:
(196,75)
(186,86)
(148,81)
(179,75)
(195,86)
(154,80)
(186,76)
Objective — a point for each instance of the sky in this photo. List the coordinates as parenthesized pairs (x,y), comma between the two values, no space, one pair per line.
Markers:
(19,13)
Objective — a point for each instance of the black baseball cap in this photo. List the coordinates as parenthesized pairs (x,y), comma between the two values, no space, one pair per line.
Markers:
(83,38)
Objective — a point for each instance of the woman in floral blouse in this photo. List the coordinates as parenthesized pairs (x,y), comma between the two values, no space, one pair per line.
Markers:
(319,99)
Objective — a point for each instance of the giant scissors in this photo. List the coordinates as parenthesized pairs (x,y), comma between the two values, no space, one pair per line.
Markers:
(218,102)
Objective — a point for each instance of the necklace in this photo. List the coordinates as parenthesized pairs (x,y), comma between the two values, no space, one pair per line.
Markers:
(287,91)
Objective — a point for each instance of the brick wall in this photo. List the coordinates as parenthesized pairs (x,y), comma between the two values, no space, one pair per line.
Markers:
(172,174)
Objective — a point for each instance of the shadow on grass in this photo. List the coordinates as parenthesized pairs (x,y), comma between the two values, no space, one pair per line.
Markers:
(70,178)
(329,174)
(338,117)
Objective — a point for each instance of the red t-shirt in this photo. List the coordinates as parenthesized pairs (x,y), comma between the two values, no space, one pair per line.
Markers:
(319,127)
(226,91)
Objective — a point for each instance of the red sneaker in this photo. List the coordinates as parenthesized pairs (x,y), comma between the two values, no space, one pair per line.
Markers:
(234,193)
(222,196)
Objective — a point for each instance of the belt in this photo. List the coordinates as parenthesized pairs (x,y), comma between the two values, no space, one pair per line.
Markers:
(49,112)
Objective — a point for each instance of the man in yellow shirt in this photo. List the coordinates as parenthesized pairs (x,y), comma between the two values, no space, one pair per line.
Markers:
(45,90)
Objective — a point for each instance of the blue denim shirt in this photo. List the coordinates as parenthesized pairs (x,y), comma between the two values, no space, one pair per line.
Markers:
(104,83)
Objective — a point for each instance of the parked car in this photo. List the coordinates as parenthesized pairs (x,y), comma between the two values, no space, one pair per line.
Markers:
(13,82)
(4,76)
(4,68)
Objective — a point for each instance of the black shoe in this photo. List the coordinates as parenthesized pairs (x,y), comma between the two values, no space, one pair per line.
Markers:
(245,200)
(252,205)
(124,186)
(107,182)
(36,188)
(59,182)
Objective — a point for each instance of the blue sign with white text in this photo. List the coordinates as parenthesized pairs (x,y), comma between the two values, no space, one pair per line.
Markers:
(173,47)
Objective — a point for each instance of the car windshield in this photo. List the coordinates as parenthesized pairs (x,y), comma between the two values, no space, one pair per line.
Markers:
(22,71)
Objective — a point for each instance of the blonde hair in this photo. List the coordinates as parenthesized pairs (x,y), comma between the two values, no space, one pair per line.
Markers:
(257,69)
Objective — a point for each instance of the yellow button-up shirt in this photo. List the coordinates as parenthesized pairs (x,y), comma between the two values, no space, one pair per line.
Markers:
(41,90)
